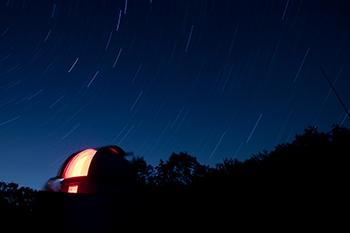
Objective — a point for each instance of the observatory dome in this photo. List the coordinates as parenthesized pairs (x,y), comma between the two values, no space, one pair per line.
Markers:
(93,170)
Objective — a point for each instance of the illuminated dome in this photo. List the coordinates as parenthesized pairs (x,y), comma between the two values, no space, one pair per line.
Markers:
(93,170)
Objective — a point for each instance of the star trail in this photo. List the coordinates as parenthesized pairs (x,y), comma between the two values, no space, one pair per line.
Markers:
(214,78)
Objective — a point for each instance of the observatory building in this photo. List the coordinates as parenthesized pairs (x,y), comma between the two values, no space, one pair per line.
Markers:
(94,170)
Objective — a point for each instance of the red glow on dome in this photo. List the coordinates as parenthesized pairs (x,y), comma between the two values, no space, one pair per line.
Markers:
(73,189)
(79,164)
(114,150)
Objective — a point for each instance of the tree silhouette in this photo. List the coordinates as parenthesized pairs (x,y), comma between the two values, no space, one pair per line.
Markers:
(179,170)
(304,176)
(143,171)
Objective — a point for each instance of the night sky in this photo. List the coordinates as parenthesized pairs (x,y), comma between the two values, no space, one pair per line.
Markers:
(214,78)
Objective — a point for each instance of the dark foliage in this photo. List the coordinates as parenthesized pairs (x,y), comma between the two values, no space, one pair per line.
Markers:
(16,206)
(297,180)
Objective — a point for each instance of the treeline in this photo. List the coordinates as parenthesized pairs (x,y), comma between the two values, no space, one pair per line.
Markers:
(13,197)
(312,157)
(306,176)
(17,206)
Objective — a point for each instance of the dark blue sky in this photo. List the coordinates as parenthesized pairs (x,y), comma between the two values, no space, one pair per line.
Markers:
(214,78)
